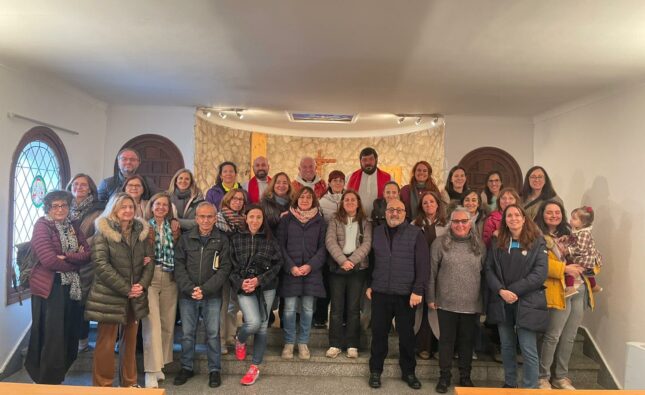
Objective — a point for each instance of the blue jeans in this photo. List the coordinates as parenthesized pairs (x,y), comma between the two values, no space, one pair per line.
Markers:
(190,312)
(256,320)
(509,334)
(306,315)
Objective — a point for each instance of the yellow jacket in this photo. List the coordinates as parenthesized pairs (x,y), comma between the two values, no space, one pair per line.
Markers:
(555,280)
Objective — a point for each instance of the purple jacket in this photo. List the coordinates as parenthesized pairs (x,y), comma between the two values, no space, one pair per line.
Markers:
(46,244)
(216,194)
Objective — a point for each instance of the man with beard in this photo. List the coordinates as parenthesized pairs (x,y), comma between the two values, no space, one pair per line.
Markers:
(398,281)
(128,161)
(369,180)
(307,177)
(258,184)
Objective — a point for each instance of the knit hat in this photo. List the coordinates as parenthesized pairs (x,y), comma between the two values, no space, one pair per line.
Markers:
(336,174)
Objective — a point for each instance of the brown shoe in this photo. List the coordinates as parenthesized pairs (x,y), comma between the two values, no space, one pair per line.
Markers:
(596,288)
(569,292)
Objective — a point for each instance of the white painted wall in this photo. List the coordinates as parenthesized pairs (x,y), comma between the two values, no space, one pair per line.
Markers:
(54,103)
(126,122)
(593,152)
(466,133)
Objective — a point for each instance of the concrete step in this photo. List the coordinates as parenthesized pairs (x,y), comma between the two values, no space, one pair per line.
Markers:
(583,371)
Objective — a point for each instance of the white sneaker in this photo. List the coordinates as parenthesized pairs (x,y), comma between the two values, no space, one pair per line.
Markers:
(352,352)
(161,376)
(544,384)
(563,384)
(151,380)
(333,352)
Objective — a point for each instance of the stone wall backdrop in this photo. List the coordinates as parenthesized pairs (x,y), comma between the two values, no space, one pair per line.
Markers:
(397,153)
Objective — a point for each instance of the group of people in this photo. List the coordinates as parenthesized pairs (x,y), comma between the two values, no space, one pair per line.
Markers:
(352,254)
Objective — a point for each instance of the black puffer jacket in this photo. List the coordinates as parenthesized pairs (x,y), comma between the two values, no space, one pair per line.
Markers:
(532,313)
(194,263)
(255,256)
(119,266)
(273,211)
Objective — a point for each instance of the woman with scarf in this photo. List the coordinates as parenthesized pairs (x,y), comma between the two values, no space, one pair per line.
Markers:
(135,187)
(55,284)
(256,260)
(471,201)
(85,208)
(122,252)
(330,201)
(230,220)
(159,325)
(302,239)
(225,182)
(185,196)
(420,183)
(431,218)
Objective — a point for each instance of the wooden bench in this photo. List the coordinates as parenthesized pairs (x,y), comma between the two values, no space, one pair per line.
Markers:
(42,389)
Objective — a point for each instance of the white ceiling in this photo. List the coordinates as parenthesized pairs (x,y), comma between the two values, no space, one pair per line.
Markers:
(479,57)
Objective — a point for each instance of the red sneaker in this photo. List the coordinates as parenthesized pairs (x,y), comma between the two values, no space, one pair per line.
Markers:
(250,376)
(240,350)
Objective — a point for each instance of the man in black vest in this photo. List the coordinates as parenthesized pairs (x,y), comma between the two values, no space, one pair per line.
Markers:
(400,276)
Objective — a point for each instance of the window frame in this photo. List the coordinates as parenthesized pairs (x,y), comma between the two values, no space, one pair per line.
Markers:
(49,137)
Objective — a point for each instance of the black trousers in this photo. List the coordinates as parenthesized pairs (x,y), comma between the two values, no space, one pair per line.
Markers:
(53,341)
(322,304)
(346,291)
(452,326)
(384,308)
(426,341)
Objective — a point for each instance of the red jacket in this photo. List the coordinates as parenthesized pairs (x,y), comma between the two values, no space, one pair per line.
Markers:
(46,244)
(320,188)
(381,179)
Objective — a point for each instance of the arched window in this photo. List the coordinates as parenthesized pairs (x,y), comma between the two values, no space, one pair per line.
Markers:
(39,165)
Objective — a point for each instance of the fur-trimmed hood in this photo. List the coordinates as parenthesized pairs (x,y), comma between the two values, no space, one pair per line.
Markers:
(112,230)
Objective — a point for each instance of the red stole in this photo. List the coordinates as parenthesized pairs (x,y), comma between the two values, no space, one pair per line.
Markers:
(381,179)
(254,189)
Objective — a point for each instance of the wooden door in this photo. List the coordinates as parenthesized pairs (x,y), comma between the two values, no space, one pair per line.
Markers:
(160,158)
(483,160)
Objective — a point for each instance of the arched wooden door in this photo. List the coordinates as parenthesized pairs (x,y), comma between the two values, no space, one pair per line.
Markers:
(160,158)
(485,159)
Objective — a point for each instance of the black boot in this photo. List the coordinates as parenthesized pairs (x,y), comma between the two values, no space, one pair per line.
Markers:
(443,383)
(375,380)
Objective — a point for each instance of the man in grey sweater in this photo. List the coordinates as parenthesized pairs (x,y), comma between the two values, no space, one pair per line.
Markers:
(454,290)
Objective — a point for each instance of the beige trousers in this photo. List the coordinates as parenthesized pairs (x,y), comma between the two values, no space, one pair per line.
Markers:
(159,326)
(103,363)
(228,315)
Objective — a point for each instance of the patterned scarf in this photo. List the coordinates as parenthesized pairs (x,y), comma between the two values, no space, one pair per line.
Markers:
(68,243)
(78,210)
(304,215)
(230,221)
(164,248)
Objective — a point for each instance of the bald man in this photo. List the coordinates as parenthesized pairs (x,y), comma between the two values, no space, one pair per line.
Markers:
(307,177)
(260,181)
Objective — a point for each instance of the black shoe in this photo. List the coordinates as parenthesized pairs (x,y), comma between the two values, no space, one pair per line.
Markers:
(508,386)
(375,380)
(214,379)
(183,376)
(412,380)
(320,325)
(465,382)
(442,385)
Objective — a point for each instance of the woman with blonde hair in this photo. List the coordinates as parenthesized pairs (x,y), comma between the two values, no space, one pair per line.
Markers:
(121,252)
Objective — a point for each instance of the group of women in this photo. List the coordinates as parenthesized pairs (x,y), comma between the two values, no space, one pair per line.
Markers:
(497,241)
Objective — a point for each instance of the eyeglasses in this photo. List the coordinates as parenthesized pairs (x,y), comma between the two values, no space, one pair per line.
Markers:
(536,178)
(60,206)
(205,217)
(460,221)
(395,210)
